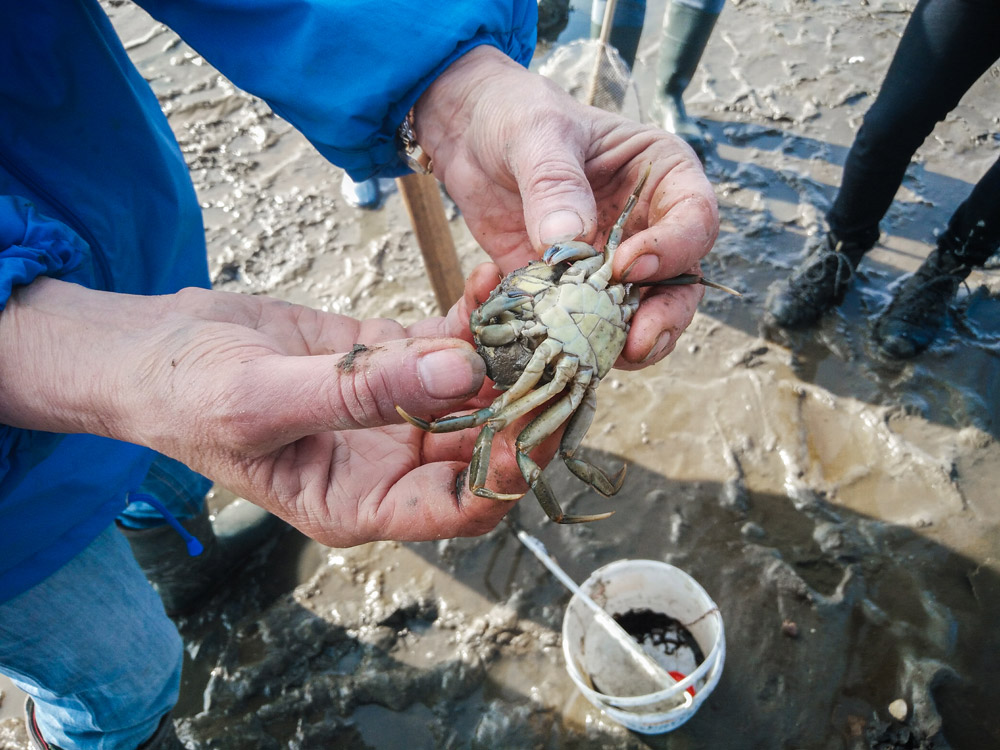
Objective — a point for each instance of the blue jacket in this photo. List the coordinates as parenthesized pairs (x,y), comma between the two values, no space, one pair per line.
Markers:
(94,190)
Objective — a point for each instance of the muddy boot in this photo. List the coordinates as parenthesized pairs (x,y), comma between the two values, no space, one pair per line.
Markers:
(165,737)
(818,285)
(909,323)
(183,581)
(685,34)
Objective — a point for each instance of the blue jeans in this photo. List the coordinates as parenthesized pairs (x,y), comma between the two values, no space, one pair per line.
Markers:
(91,644)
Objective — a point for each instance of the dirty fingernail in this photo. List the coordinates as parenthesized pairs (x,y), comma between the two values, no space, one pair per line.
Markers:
(658,348)
(450,373)
(560,226)
(642,268)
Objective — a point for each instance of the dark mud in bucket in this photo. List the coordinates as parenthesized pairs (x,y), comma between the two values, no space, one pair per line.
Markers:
(677,624)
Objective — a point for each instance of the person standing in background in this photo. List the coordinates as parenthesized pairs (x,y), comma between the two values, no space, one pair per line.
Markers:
(687,27)
(946,46)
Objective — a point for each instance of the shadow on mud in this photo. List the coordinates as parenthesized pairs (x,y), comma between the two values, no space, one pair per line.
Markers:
(762,192)
(830,616)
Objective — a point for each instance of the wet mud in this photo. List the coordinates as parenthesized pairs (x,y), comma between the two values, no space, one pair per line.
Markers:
(840,509)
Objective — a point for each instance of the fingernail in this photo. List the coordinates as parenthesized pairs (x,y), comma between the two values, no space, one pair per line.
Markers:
(642,268)
(560,226)
(450,373)
(658,348)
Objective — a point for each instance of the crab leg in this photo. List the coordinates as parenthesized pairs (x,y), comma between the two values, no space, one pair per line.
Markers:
(498,305)
(600,278)
(577,428)
(448,424)
(539,429)
(533,372)
(479,465)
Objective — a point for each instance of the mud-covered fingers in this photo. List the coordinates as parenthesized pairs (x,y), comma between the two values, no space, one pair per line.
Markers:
(658,323)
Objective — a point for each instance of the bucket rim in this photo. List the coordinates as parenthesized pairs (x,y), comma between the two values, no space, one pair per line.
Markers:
(713,661)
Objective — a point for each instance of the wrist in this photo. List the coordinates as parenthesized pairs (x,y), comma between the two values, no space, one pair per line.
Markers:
(64,350)
(443,114)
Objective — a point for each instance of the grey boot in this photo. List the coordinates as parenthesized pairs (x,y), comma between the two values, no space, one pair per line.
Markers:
(912,319)
(185,582)
(164,738)
(686,31)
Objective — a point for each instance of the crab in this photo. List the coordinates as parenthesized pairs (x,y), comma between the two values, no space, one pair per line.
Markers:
(548,334)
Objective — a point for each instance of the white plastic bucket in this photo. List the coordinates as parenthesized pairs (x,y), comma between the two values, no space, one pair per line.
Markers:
(594,660)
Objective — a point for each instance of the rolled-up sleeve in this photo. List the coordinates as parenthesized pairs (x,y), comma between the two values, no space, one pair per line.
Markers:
(33,245)
(345,73)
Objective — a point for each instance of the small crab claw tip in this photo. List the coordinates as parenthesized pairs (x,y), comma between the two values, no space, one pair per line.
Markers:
(568,251)
(720,287)
(415,421)
(585,519)
(619,480)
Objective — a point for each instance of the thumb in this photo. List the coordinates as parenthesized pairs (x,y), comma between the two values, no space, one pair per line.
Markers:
(362,388)
(558,201)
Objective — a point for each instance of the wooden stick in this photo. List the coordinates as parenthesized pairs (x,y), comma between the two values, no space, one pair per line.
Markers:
(606,24)
(422,199)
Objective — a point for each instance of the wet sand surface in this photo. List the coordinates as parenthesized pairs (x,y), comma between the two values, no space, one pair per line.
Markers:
(841,510)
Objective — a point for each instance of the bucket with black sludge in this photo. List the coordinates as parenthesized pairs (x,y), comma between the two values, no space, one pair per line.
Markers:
(674,620)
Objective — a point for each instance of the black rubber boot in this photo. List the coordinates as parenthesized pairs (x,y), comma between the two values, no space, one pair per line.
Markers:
(686,31)
(818,285)
(185,582)
(165,737)
(910,322)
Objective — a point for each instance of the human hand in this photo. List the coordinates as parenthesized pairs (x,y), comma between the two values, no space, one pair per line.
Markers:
(289,407)
(529,166)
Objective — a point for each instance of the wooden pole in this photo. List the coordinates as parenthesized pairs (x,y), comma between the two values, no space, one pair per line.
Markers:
(422,199)
(602,46)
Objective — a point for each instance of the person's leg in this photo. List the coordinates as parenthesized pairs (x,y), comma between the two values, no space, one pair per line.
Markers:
(180,490)
(946,46)
(687,26)
(184,580)
(93,648)
(918,308)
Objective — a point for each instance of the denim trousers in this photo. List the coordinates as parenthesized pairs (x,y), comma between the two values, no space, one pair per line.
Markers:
(91,644)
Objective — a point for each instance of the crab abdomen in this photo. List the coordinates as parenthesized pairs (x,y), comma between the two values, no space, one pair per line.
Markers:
(588,323)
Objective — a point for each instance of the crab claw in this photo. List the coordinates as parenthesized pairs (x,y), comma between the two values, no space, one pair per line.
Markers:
(563,251)
(493,308)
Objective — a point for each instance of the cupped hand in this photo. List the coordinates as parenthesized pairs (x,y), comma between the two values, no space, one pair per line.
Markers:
(529,166)
(289,407)
(295,410)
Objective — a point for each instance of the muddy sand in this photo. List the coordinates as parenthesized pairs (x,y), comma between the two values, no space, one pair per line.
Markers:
(842,511)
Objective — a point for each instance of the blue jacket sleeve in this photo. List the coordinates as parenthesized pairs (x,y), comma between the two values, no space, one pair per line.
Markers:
(346,72)
(33,245)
